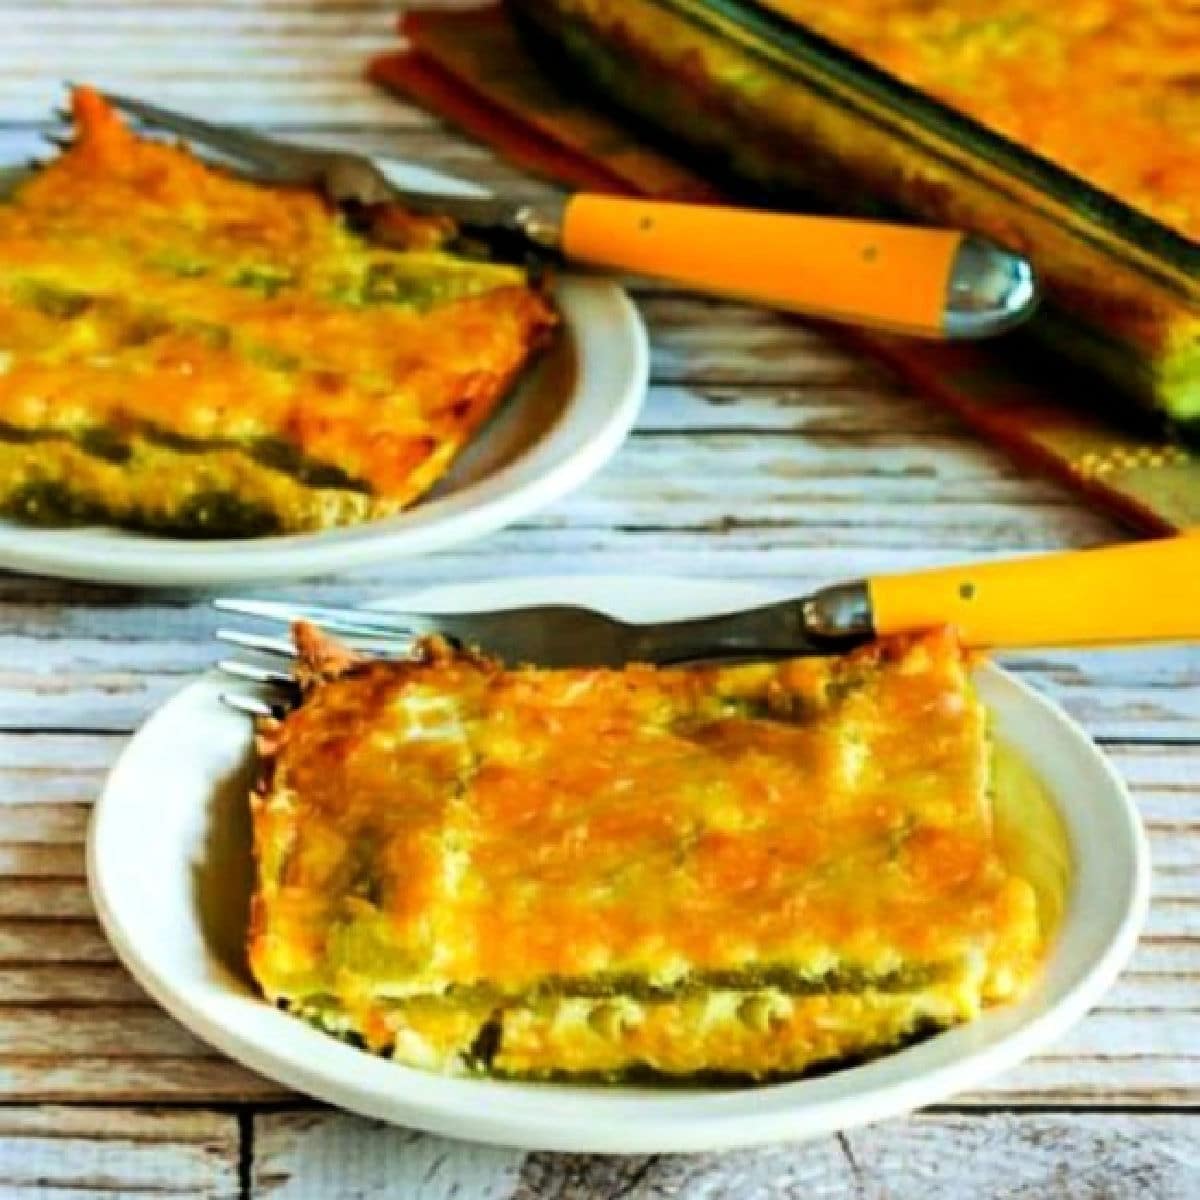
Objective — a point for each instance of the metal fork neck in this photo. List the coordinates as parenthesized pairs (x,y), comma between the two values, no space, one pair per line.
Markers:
(839,613)
(827,622)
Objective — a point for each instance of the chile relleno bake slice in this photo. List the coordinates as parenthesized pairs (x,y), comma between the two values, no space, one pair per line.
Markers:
(186,351)
(734,872)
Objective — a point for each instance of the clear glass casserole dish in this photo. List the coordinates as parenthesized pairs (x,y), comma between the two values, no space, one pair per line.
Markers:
(768,104)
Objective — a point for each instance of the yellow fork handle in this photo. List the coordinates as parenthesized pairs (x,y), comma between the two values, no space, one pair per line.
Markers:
(1144,591)
(892,276)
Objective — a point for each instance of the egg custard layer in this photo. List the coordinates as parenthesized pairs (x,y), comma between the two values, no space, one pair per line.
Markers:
(185,351)
(740,872)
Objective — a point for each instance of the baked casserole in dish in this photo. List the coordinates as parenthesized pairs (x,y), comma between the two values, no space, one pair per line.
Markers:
(1068,132)
(1108,90)
(185,351)
(739,873)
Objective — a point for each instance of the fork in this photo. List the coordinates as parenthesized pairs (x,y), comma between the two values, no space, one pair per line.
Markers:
(927,282)
(1139,592)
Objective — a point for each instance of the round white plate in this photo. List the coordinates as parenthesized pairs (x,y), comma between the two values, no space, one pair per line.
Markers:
(566,418)
(169,872)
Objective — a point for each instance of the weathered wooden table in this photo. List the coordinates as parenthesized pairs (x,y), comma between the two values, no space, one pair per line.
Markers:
(764,451)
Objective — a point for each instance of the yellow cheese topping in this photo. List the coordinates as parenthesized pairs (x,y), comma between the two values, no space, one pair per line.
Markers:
(503,842)
(150,300)
(1109,89)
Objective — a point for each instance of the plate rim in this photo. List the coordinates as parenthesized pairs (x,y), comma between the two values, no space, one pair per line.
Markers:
(666,1121)
(561,460)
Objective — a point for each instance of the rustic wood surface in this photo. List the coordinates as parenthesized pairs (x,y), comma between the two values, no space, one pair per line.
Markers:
(765,451)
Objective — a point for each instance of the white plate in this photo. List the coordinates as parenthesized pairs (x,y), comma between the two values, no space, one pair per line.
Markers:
(560,425)
(169,870)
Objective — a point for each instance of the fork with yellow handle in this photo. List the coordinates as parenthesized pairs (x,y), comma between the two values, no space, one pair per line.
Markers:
(941,283)
(1139,592)
(925,282)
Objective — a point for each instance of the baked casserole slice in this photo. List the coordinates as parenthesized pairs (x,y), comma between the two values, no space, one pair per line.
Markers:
(186,351)
(743,872)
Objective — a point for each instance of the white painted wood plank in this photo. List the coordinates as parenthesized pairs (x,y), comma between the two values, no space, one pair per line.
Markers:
(39,861)
(38,940)
(60,1152)
(50,823)
(938,1158)
(64,1007)
(72,983)
(853,403)
(44,898)
(104,1078)
(101,684)
(245,62)
(127,1032)
(222,90)
(1118,1080)
(307,1155)
(64,1004)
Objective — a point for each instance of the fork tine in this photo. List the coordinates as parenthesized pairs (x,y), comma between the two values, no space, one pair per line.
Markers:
(280,647)
(252,706)
(242,670)
(293,161)
(359,623)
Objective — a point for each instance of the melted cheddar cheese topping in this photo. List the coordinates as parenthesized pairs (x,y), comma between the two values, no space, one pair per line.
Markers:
(157,313)
(1109,89)
(584,858)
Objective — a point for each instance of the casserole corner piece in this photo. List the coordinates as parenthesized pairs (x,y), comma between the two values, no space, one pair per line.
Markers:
(188,352)
(711,874)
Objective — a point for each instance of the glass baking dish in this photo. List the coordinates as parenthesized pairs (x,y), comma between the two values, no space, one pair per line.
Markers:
(791,117)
